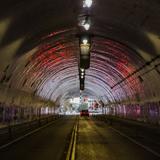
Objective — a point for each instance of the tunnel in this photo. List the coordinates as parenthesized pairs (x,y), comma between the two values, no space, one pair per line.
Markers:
(105,51)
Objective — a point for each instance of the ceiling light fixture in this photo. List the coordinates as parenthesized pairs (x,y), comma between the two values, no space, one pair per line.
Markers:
(85,41)
(86,26)
(82,69)
(87,3)
(86,23)
(85,46)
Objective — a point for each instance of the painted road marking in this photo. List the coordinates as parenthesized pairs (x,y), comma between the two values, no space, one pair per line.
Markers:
(26,135)
(72,146)
(136,142)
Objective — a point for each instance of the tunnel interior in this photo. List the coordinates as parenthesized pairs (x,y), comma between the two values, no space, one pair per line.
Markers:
(40,52)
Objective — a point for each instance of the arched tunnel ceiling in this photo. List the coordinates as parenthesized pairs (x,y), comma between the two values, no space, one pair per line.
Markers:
(39,49)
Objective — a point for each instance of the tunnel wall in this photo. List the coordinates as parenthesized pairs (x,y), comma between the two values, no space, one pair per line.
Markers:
(142,99)
(148,112)
(18,106)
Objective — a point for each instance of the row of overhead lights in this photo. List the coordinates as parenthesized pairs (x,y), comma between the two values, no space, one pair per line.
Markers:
(84,43)
(85,21)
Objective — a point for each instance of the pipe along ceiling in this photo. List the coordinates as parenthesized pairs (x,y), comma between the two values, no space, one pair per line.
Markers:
(39,50)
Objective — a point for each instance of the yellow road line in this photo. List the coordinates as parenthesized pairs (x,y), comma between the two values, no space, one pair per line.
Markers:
(72,146)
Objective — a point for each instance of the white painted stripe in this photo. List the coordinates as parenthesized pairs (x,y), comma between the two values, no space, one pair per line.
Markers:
(136,142)
(28,134)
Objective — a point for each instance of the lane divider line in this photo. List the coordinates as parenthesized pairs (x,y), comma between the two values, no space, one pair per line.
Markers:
(72,146)
(136,142)
(26,135)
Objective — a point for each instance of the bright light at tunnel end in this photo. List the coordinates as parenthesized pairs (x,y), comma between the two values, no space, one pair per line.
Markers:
(87,3)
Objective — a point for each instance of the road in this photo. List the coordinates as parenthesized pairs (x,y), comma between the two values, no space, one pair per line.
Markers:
(95,141)
(47,144)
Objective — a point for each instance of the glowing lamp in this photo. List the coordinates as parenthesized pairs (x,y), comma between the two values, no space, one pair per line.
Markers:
(85,45)
(87,3)
(82,69)
(86,26)
(85,41)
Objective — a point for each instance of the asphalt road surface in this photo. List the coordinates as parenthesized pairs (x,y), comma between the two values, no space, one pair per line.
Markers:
(47,144)
(97,141)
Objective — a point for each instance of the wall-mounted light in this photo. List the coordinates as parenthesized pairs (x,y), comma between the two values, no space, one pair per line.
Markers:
(87,3)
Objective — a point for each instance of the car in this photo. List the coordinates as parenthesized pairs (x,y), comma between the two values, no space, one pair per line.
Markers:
(84,113)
